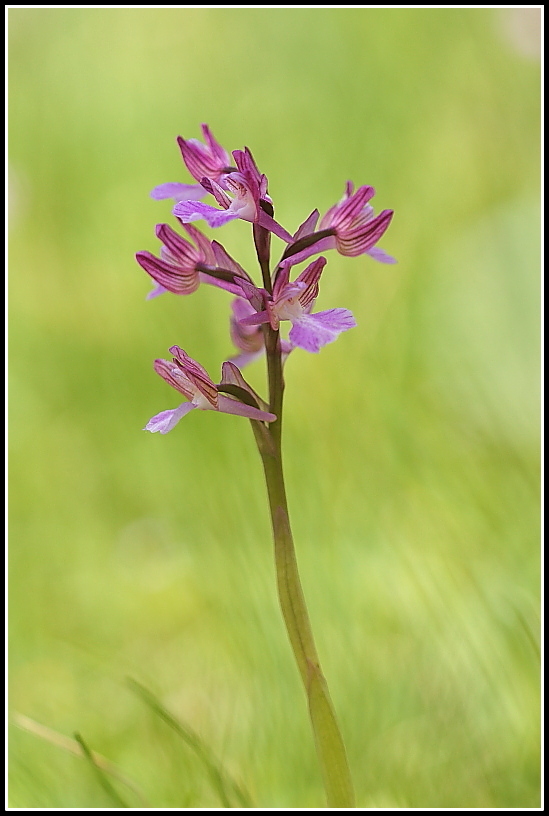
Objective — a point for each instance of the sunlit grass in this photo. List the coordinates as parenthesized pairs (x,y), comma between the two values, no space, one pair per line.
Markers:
(412,444)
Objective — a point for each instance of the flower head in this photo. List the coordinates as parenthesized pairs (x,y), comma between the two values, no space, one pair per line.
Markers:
(177,268)
(355,227)
(294,301)
(249,339)
(209,159)
(182,266)
(350,226)
(242,195)
(192,380)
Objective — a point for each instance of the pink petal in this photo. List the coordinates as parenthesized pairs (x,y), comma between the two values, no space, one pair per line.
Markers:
(273,226)
(165,421)
(253,294)
(353,242)
(225,261)
(231,375)
(158,290)
(218,192)
(312,332)
(181,192)
(232,406)
(202,242)
(308,226)
(217,151)
(309,278)
(256,319)
(228,286)
(351,207)
(195,211)
(174,376)
(196,374)
(174,278)
(378,254)
(323,244)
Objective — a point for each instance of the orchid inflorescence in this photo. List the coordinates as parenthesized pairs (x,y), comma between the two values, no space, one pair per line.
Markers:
(240,191)
(184,262)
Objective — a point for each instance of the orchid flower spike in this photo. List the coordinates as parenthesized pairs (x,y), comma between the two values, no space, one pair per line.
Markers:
(192,380)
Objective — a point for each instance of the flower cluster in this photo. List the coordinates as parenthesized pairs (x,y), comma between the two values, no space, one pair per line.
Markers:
(240,191)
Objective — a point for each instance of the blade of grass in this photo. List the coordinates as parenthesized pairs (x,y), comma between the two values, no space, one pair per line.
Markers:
(100,774)
(220,779)
(73,746)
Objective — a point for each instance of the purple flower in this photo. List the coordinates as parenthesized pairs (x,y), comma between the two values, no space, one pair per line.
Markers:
(356,229)
(350,226)
(249,339)
(249,201)
(294,302)
(190,379)
(182,266)
(177,269)
(209,159)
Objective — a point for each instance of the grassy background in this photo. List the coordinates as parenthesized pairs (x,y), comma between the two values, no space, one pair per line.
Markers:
(412,444)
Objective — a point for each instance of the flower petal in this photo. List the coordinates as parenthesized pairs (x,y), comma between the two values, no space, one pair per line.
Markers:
(310,278)
(209,159)
(308,226)
(216,149)
(233,406)
(273,226)
(348,209)
(256,319)
(313,331)
(380,255)
(174,278)
(218,192)
(228,286)
(231,377)
(195,373)
(174,376)
(188,211)
(324,243)
(181,192)
(158,290)
(355,242)
(225,261)
(247,339)
(165,421)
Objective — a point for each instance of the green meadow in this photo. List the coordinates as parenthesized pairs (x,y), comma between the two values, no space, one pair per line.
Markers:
(412,444)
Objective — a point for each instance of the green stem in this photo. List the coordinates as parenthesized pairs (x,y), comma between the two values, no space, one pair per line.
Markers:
(328,740)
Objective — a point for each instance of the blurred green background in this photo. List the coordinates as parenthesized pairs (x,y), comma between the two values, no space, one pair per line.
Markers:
(411,444)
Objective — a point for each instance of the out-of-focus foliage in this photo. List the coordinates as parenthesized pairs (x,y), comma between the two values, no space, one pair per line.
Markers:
(412,443)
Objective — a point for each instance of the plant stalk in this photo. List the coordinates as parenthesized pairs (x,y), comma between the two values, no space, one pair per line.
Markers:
(328,739)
